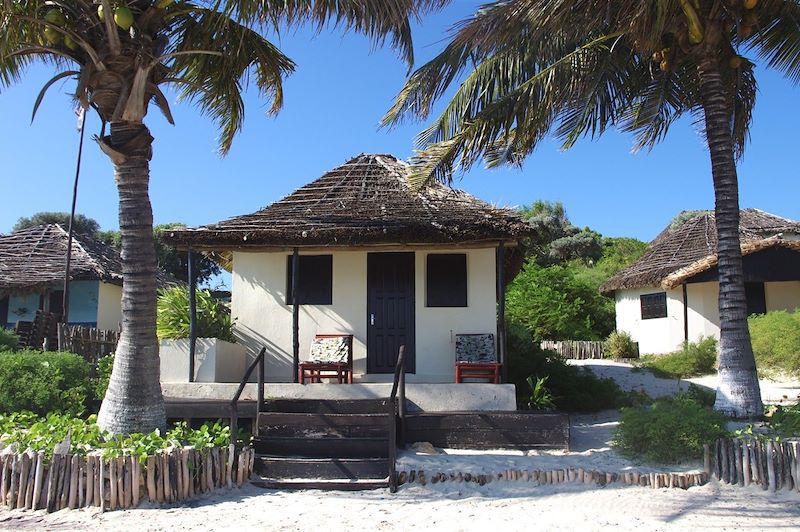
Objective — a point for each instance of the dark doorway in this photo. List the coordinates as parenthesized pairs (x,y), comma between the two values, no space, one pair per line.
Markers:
(756,298)
(3,311)
(390,311)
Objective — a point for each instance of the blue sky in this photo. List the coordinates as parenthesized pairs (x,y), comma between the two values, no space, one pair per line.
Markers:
(333,105)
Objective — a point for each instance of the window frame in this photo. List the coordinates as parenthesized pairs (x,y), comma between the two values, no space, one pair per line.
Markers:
(646,308)
(306,297)
(453,283)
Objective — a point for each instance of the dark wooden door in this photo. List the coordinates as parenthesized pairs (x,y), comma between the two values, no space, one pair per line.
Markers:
(390,311)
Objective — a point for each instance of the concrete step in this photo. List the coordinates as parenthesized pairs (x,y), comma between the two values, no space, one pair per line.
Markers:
(327,485)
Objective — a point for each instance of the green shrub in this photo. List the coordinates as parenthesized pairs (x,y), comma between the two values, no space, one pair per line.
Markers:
(670,430)
(43,382)
(213,319)
(783,421)
(573,389)
(540,397)
(8,340)
(43,434)
(619,344)
(692,360)
(776,341)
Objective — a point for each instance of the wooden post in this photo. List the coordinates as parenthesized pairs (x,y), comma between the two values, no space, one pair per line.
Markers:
(192,313)
(101,483)
(89,480)
(112,484)
(135,479)
(73,482)
(22,483)
(150,472)
(685,314)
(745,463)
(501,311)
(295,313)
(707,458)
(771,466)
(37,482)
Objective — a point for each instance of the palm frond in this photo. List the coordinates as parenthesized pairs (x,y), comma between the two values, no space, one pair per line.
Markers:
(216,82)
(777,41)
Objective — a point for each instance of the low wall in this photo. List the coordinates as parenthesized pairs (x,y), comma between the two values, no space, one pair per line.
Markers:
(30,481)
(490,430)
(421,397)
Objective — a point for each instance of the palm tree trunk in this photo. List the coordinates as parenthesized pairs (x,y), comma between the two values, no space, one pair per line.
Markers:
(133,401)
(738,392)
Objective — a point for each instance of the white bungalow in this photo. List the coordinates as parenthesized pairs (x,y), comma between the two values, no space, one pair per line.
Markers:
(671,294)
(370,257)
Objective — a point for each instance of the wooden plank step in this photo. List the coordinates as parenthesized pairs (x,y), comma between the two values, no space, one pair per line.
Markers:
(327,406)
(323,425)
(327,485)
(323,447)
(282,467)
(490,430)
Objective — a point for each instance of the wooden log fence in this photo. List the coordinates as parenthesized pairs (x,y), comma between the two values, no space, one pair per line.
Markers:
(30,481)
(561,476)
(771,465)
(574,349)
(88,342)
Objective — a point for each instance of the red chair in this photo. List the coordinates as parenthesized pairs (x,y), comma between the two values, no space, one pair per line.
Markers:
(476,358)
(331,357)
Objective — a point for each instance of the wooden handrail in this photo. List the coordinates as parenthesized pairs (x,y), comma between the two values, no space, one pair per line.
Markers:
(234,406)
(396,407)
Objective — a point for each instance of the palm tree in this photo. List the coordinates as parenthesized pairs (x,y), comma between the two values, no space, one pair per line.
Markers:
(121,53)
(575,68)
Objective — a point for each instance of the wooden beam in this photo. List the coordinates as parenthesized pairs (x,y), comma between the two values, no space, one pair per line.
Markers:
(501,311)
(295,313)
(192,313)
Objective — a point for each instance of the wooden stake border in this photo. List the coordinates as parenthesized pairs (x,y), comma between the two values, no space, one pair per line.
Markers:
(31,482)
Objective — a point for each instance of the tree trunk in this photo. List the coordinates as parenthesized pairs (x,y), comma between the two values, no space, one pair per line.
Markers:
(738,393)
(133,401)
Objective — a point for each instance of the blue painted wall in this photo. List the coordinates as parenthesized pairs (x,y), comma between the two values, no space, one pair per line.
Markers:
(82,304)
(83,296)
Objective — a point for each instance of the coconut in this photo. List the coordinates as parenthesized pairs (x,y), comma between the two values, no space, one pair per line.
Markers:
(123,17)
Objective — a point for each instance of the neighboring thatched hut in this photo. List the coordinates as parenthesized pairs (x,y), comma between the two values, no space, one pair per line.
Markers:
(374,258)
(32,265)
(670,294)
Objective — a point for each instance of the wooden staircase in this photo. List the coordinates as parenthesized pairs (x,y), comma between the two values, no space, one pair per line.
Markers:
(325,444)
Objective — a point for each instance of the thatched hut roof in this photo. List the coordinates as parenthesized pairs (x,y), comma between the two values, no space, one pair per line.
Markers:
(34,259)
(679,253)
(366,201)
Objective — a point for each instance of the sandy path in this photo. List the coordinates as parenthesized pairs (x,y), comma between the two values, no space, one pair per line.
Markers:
(498,506)
(631,378)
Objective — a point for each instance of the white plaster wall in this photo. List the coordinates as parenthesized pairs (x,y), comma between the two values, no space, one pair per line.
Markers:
(782,295)
(109,307)
(663,335)
(263,318)
(657,335)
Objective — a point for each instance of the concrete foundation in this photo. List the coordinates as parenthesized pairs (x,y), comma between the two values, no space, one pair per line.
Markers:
(421,397)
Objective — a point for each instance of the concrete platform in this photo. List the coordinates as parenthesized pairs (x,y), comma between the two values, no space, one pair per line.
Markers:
(421,397)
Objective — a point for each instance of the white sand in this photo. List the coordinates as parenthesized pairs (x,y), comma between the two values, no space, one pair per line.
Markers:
(499,505)
(631,378)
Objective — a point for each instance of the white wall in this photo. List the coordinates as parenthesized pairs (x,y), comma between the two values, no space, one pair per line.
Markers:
(662,335)
(783,295)
(263,318)
(109,306)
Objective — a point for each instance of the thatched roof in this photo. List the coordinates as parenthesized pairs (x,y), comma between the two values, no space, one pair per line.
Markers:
(34,259)
(679,253)
(365,201)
